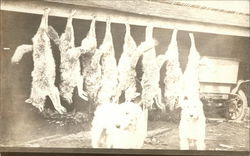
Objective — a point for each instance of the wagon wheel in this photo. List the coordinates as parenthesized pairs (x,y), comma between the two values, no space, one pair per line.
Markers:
(236,108)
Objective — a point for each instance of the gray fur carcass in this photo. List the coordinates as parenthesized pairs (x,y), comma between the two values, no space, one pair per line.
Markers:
(43,74)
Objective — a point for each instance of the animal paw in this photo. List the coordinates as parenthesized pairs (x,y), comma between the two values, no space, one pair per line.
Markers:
(28,100)
(60,109)
(39,107)
(83,95)
(70,100)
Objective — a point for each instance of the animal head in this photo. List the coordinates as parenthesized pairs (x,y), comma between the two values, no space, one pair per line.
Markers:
(192,108)
(128,114)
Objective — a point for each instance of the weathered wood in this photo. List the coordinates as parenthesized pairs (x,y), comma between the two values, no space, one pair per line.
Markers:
(226,146)
(136,18)
(85,134)
(217,119)
(157,132)
(43,139)
(158,9)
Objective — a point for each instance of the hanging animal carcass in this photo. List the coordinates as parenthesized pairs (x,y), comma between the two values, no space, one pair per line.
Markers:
(109,71)
(151,91)
(127,63)
(91,68)
(43,74)
(193,122)
(190,79)
(70,65)
(173,74)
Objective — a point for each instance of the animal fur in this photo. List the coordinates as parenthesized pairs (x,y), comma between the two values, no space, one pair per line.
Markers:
(151,91)
(117,126)
(127,63)
(109,71)
(192,124)
(173,74)
(43,74)
(70,65)
(190,79)
(91,68)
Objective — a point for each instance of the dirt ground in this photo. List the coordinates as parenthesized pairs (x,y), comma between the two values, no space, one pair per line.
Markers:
(220,134)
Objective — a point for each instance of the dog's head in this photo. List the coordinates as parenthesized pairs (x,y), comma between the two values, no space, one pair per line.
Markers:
(127,116)
(192,108)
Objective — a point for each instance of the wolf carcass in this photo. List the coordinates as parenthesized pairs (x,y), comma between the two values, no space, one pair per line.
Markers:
(109,71)
(151,64)
(127,63)
(173,74)
(43,74)
(91,68)
(70,65)
(192,125)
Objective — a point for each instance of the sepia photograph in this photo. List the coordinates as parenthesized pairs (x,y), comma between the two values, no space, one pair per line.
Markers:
(132,76)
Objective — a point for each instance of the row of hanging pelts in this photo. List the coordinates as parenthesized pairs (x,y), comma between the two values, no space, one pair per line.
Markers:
(103,79)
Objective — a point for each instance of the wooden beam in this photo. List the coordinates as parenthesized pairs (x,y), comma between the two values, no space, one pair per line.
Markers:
(165,10)
(87,12)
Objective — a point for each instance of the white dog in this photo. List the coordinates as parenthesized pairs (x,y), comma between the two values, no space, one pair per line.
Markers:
(117,126)
(192,124)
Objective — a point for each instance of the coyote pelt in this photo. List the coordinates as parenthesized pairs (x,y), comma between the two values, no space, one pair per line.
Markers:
(127,64)
(127,73)
(91,68)
(43,74)
(173,74)
(70,65)
(190,79)
(108,68)
(151,76)
(192,124)
(117,126)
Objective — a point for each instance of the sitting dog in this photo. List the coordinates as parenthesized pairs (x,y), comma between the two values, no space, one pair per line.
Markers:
(192,124)
(118,126)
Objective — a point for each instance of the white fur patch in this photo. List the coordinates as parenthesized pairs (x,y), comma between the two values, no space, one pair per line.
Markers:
(192,124)
(117,126)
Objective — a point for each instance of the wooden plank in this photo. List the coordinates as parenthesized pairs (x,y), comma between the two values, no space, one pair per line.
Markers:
(158,131)
(62,10)
(42,139)
(165,10)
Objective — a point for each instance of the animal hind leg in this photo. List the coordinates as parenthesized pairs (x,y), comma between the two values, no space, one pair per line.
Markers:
(158,100)
(55,98)
(38,102)
(80,90)
(30,99)
(131,94)
(44,20)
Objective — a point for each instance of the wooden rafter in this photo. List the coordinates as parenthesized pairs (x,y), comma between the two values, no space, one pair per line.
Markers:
(132,12)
